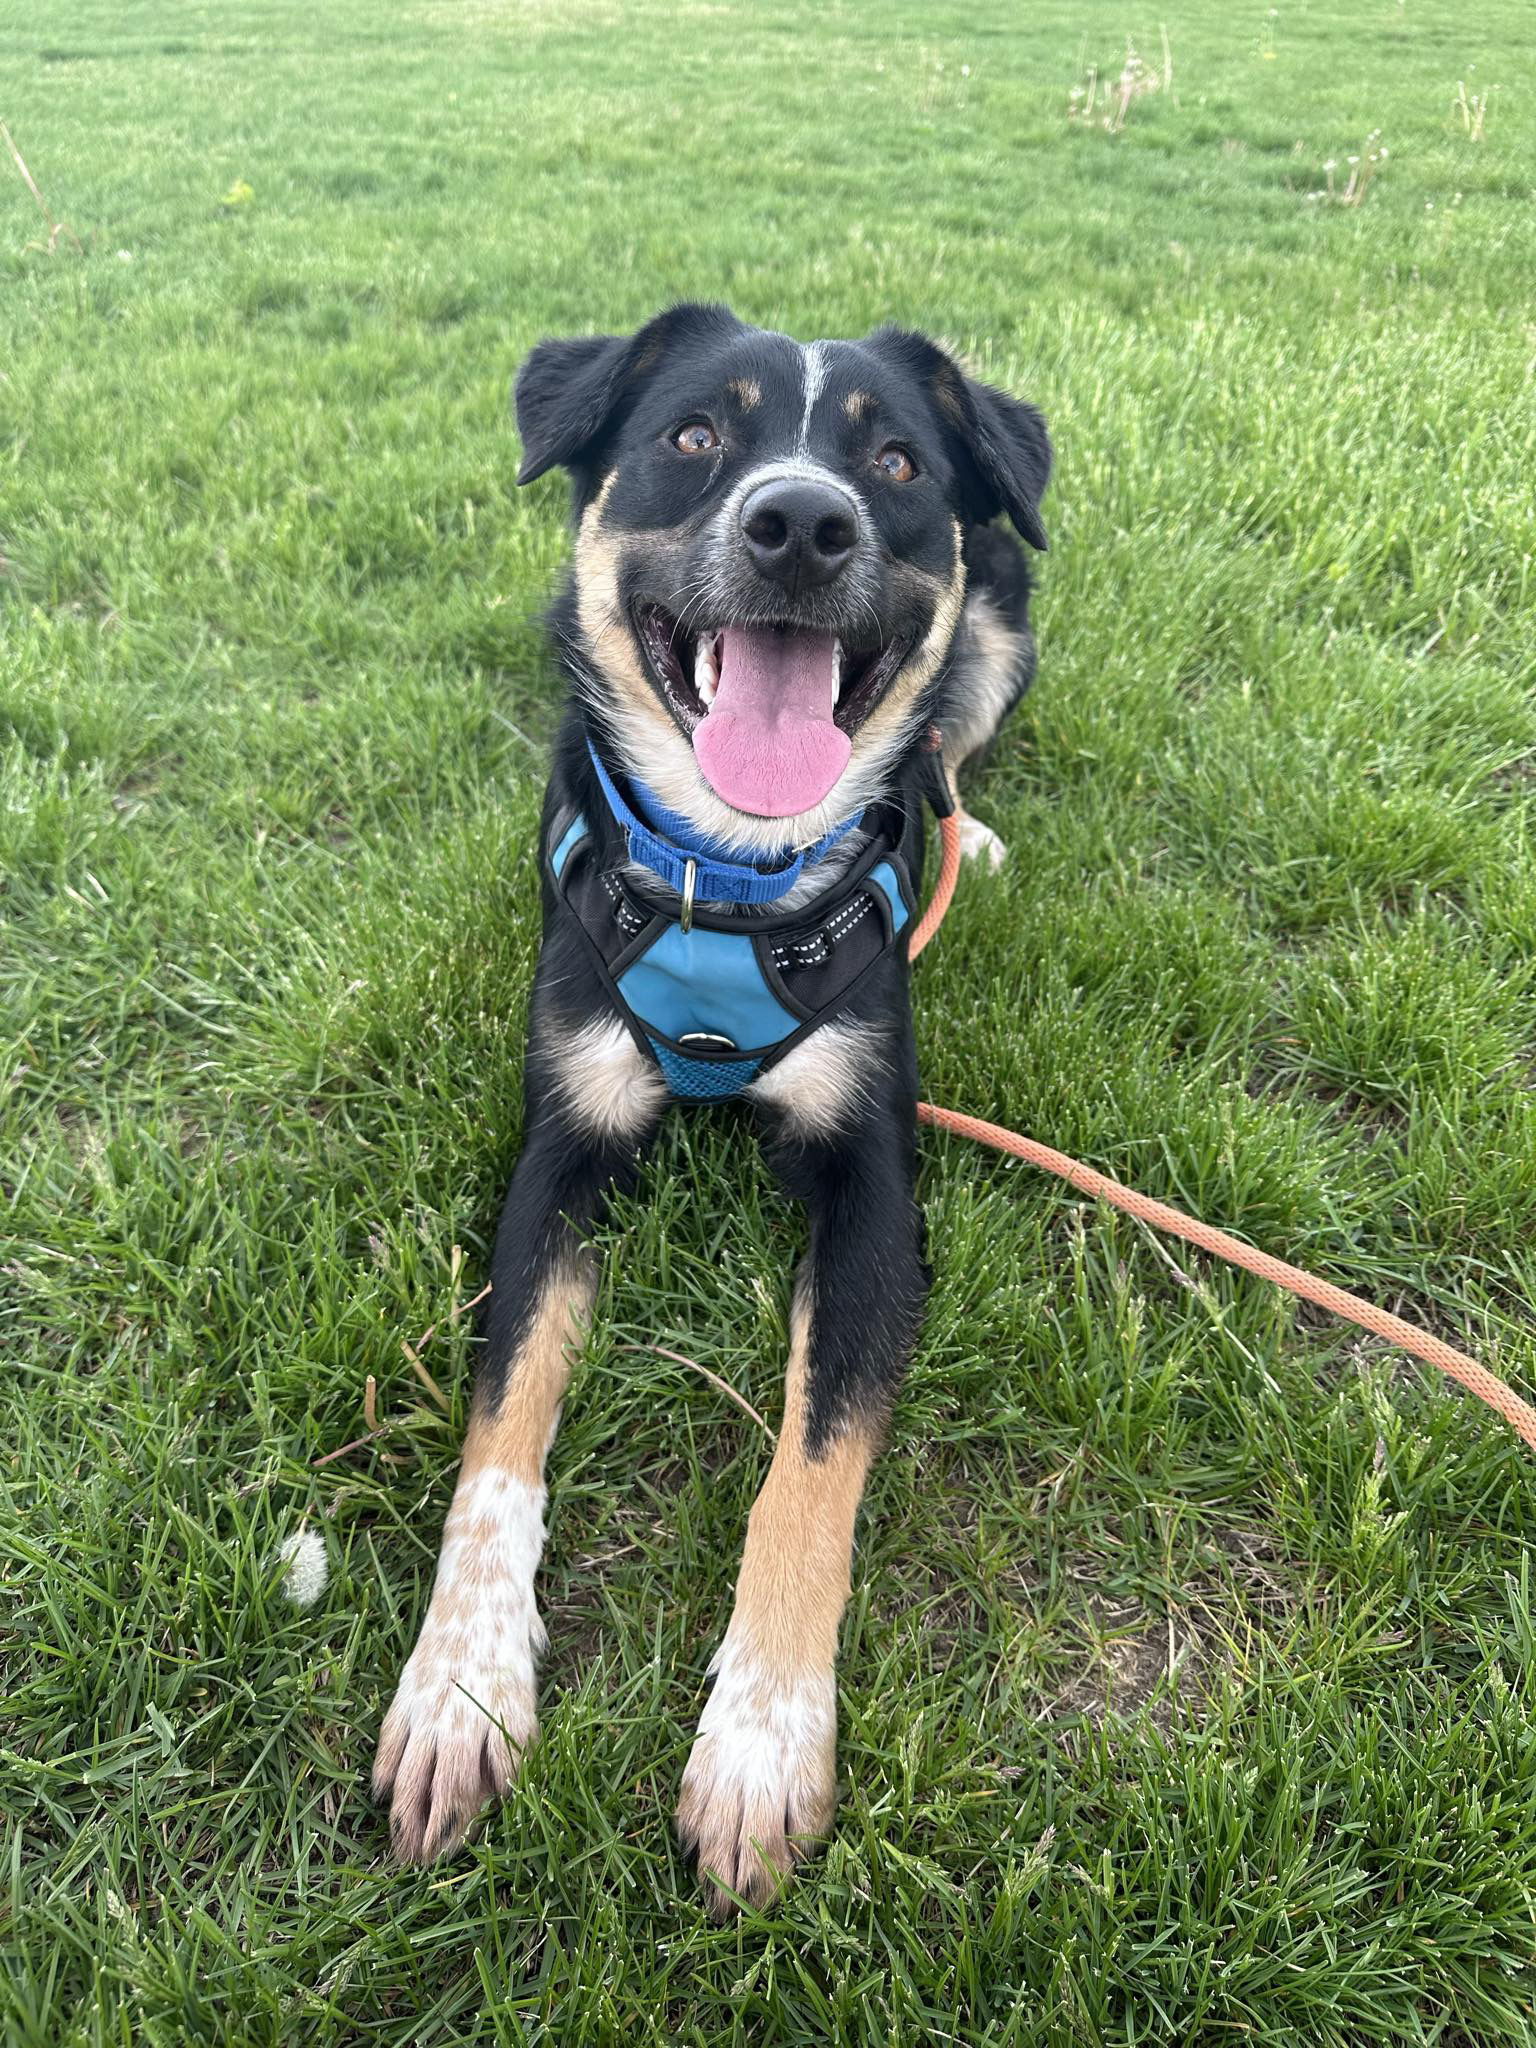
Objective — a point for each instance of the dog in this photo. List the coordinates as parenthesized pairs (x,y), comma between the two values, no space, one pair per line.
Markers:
(789,572)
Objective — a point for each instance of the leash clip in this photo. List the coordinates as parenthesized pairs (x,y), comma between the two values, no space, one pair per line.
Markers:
(690,878)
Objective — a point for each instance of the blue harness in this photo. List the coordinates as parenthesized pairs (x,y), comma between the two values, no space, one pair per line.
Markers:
(715,999)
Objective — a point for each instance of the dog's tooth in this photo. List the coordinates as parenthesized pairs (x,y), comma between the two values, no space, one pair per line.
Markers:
(706,674)
(837,671)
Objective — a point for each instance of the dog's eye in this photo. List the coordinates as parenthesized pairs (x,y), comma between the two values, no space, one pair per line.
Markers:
(698,437)
(896,462)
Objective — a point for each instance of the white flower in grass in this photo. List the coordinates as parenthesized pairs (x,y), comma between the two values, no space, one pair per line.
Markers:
(309,1572)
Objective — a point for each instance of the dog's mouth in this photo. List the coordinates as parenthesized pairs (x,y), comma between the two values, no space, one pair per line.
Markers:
(771,710)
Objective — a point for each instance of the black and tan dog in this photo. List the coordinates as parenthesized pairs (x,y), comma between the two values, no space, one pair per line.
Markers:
(786,575)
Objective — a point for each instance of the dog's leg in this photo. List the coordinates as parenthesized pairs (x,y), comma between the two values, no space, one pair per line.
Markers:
(762,1776)
(465,1709)
(977,841)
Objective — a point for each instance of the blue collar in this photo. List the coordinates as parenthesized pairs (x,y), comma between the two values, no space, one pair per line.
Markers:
(672,848)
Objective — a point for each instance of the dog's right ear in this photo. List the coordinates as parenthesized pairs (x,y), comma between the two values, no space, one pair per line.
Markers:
(565,394)
(570,393)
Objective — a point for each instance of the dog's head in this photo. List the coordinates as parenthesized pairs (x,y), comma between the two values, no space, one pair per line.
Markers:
(769,564)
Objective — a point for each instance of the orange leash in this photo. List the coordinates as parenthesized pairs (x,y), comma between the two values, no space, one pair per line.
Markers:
(1475,1378)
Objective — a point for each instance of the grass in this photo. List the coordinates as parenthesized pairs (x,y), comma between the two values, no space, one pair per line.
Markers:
(1189,1677)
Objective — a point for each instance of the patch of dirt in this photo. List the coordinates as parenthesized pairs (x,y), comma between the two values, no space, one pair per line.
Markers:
(1127,1658)
(1515,774)
(1123,1655)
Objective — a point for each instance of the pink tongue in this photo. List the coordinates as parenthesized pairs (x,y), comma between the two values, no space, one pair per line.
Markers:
(768,744)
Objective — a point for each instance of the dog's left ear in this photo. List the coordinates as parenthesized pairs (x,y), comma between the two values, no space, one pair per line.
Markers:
(1000,444)
(1012,453)
(569,394)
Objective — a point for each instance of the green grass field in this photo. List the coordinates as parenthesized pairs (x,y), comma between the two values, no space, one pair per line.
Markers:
(1188,1683)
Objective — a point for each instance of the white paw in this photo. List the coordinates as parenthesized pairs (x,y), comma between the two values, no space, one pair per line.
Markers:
(977,840)
(465,1710)
(761,1783)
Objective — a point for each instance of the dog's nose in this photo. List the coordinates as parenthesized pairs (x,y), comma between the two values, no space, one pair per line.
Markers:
(799,532)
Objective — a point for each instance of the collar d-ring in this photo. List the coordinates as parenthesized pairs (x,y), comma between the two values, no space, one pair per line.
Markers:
(690,879)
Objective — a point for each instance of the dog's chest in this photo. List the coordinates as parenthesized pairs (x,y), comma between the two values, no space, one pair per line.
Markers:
(717,1001)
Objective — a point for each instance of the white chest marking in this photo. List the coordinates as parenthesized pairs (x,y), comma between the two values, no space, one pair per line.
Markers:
(818,1084)
(606,1082)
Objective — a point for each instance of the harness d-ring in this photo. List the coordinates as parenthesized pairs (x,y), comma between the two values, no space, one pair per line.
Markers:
(690,877)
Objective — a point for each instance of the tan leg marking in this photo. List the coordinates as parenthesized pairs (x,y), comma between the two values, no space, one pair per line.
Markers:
(977,841)
(762,1778)
(465,1710)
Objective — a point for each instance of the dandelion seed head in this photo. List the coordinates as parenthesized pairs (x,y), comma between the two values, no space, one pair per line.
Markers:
(309,1571)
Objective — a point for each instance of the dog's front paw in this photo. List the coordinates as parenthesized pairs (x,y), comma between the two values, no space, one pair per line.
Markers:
(466,1709)
(980,842)
(761,1783)
(452,1739)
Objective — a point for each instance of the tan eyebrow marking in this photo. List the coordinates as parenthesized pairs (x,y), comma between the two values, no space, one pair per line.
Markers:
(949,390)
(859,405)
(746,391)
